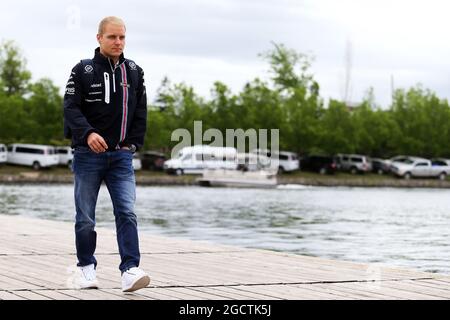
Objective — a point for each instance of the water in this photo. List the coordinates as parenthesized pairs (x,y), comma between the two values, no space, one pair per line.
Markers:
(398,227)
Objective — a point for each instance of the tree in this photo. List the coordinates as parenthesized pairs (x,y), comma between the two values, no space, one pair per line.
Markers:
(283,64)
(44,107)
(423,120)
(222,112)
(299,99)
(336,130)
(14,77)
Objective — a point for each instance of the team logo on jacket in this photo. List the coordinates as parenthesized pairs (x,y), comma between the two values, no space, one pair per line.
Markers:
(88,68)
(132,65)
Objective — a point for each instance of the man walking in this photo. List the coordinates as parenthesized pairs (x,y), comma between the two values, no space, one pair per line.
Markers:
(105,115)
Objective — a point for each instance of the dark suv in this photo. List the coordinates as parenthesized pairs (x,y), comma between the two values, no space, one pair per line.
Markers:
(152,160)
(379,166)
(320,164)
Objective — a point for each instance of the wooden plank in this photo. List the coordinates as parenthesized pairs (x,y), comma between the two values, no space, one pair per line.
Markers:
(238,293)
(81,294)
(171,294)
(224,294)
(93,294)
(442,280)
(351,292)
(417,287)
(334,293)
(31,295)
(156,294)
(41,272)
(14,284)
(436,283)
(128,295)
(56,295)
(6,295)
(396,292)
(286,292)
(220,294)
(198,293)
(49,272)
(25,273)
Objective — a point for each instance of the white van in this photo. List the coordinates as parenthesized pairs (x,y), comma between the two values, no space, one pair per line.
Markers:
(192,160)
(285,161)
(3,153)
(65,155)
(34,155)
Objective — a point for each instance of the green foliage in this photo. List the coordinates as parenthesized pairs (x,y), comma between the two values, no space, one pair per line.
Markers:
(44,108)
(424,122)
(28,112)
(283,63)
(337,129)
(14,77)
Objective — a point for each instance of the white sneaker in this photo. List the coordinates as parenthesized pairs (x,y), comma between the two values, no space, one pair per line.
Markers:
(134,279)
(87,278)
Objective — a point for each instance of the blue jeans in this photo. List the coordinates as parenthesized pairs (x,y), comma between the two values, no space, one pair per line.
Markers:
(116,170)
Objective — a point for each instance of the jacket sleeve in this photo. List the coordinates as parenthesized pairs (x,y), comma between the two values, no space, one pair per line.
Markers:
(138,126)
(75,123)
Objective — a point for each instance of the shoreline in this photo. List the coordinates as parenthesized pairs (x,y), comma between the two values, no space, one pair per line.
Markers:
(190,180)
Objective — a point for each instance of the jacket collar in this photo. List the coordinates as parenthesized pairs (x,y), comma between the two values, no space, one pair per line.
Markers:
(100,58)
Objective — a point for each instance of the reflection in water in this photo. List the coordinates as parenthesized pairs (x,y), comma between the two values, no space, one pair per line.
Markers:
(405,227)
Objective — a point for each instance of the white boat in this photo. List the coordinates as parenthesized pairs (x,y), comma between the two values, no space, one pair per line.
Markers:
(238,178)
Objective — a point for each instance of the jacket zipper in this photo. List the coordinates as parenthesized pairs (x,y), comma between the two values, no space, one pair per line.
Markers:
(107,86)
(113,69)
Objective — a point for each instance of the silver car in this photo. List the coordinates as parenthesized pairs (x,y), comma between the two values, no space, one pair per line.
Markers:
(354,163)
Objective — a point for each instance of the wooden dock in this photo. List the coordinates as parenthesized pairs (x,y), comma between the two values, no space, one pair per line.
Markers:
(37,261)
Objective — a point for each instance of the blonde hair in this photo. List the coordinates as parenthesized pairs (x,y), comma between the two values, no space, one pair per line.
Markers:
(108,20)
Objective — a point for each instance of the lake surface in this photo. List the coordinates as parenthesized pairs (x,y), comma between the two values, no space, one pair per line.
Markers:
(398,227)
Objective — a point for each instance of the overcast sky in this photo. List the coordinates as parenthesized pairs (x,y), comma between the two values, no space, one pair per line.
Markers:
(202,41)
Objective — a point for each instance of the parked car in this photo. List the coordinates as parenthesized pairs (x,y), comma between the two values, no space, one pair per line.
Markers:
(380,166)
(285,161)
(192,160)
(152,160)
(398,159)
(137,163)
(3,154)
(320,164)
(353,163)
(421,168)
(36,156)
(65,155)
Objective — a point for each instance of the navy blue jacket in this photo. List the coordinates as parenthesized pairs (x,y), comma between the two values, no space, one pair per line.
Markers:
(106,99)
